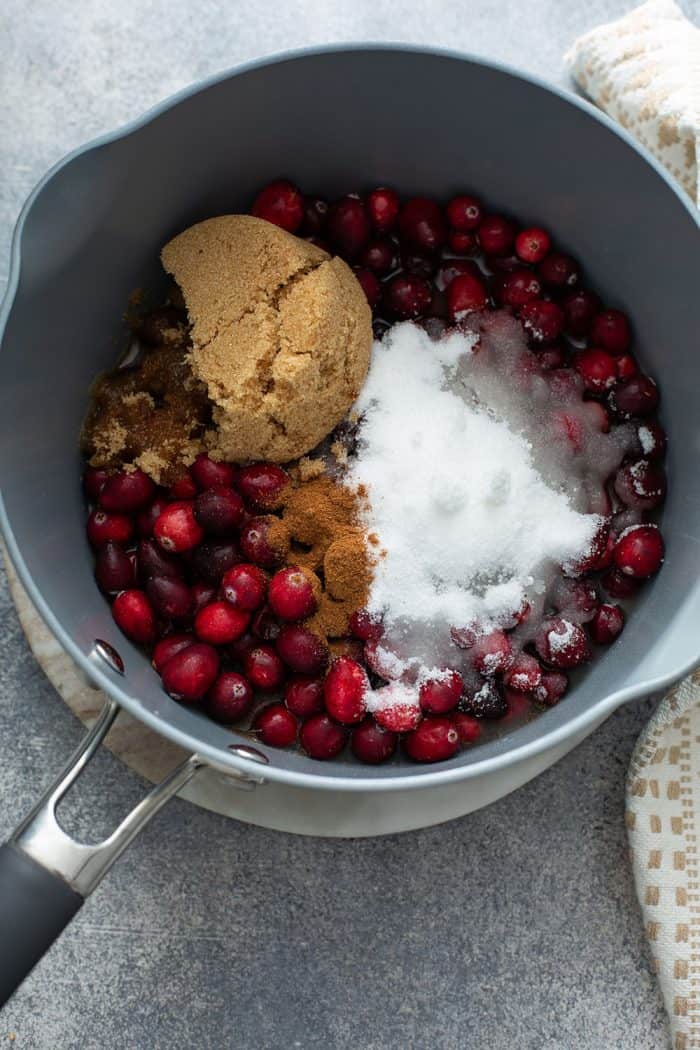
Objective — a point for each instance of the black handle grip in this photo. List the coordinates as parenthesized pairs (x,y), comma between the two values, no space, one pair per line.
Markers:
(35,906)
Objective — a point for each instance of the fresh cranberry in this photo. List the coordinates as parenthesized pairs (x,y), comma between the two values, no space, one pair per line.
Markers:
(114,569)
(239,649)
(590,561)
(281,203)
(291,594)
(464,294)
(202,594)
(220,624)
(551,357)
(577,599)
(94,480)
(607,624)
(532,244)
(147,517)
(184,489)
(213,558)
(383,207)
(302,650)
(418,263)
(611,330)
(464,637)
(371,744)
(440,695)
(433,740)
(322,738)
(219,510)
(170,597)
(256,541)
(398,709)
(345,690)
(315,215)
(618,585)
(408,296)
(265,625)
(462,243)
(370,286)
(652,439)
(451,268)
(103,527)
(485,702)
(520,287)
(558,270)
(365,626)
(303,695)
(639,552)
(230,697)
(244,586)
(176,529)
(468,727)
(492,653)
(524,675)
(626,367)
(580,307)
(562,644)
(597,369)
(551,689)
(382,661)
(134,615)
(379,257)
(262,485)
(191,672)
(210,473)
(496,235)
(639,396)
(542,320)
(276,726)
(153,561)
(641,484)
(421,224)
(169,646)
(348,226)
(263,668)
(125,493)
(464,213)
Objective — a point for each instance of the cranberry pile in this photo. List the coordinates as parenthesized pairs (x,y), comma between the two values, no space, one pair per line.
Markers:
(192,574)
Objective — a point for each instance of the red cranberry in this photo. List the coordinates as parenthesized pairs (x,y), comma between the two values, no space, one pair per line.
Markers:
(462,243)
(114,569)
(468,727)
(618,585)
(611,330)
(639,396)
(348,226)
(577,599)
(276,726)
(345,690)
(408,296)
(597,548)
(210,473)
(492,653)
(108,528)
(153,561)
(176,528)
(220,624)
(244,586)
(213,558)
(558,270)
(434,740)
(464,294)
(440,695)
(170,597)
(639,552)
(291,594)
(398,708)
(464,213)
(532,244)
(485,702)
(230,697)
(281,203)
(496,235)
(524,675)
(304,696)
(551,689)
(422,225)
(315,215)
(382,661)
(607,624)
(322,738)
(370,286)
(239,649)
(147,518)
(371,744)
(551,357)
(255,540)
(520,287)
(191,672)
(183,489)
(379,257)
(125,492)
(263,668)
(580,307)
(542,320)
(94,480)
(626,367)
(265,625)
(562,643)
(383,207)
(262,485)
(134,616)
(418,263)
(641,484)
(597,369)
(219,510)
(169,646)
(365,626)
(202,594)
(652,439)
(451,268)
(302,650)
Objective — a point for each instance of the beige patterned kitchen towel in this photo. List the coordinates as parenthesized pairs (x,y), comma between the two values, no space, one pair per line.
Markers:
(644,70)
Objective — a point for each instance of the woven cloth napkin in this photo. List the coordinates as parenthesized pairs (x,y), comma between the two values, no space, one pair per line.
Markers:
(644,71)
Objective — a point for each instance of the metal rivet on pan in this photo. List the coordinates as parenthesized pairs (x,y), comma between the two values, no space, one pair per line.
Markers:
(245,751)
(109,654)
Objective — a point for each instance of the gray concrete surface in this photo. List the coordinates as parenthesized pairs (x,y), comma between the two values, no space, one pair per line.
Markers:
(516,927)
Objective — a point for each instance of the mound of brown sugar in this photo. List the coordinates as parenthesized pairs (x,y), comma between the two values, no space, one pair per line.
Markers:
(281,335)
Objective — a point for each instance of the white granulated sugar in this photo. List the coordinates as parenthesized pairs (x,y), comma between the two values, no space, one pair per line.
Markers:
(454,466)
(396,694)
(646,440)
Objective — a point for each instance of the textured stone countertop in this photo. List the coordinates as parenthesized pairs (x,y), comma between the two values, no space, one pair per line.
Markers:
(516,927)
